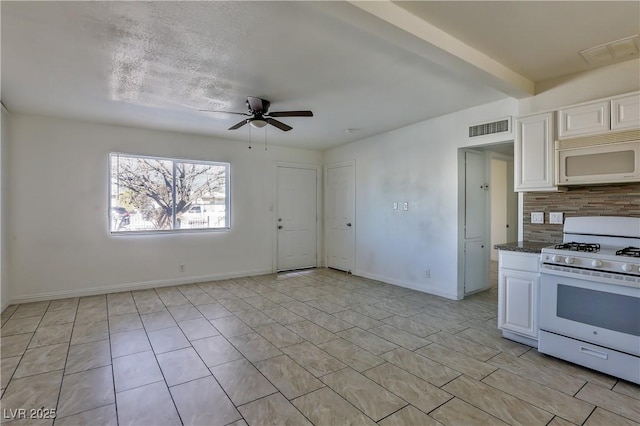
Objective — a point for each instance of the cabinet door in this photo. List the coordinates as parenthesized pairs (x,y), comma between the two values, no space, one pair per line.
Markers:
(584,120)
(625,112)
(518,302)
(534,153)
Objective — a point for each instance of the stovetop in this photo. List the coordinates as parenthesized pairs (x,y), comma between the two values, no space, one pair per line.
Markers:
(597,246)
(600,258)
(596,249)
(575,246)
(629,251)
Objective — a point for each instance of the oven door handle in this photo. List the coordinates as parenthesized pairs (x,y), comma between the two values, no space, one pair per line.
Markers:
(591,352)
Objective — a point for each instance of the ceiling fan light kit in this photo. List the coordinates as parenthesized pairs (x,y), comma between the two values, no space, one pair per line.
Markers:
(260,116)
(257,123)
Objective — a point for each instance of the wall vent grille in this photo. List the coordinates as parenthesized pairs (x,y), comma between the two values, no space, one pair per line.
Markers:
(501,126)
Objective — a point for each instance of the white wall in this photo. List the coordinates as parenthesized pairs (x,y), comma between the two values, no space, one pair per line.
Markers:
(58,210)
(419,164)
(599,83)
(416,164)
(56,202)
(4,279)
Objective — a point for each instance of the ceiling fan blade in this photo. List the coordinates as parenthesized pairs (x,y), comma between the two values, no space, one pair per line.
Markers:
(257,104)
(238,125)
(224,112)
(279,124)
(291,114)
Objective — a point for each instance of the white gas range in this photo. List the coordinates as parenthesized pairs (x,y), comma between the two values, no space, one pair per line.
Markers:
(590,295)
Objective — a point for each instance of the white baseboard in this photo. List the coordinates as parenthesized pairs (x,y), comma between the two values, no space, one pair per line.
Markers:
(131,286)
(408,284)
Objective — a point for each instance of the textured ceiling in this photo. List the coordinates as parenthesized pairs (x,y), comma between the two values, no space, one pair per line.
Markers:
(154,64)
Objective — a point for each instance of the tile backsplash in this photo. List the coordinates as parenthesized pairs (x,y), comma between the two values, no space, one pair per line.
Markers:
(609,200)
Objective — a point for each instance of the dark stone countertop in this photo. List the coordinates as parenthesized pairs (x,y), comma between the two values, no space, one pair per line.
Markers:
(523,246)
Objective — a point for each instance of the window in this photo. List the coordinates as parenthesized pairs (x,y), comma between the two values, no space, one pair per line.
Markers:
(163,194)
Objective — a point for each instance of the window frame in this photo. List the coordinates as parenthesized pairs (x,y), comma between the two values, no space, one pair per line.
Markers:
(174,160)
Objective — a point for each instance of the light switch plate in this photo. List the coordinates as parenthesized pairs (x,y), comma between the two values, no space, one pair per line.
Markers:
(395,206)
(537,217)
(556,217)
(405,206)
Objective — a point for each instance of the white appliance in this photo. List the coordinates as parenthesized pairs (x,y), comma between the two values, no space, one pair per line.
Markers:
(608,158)
(590,296)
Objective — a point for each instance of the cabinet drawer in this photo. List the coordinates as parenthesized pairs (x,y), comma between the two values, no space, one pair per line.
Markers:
(529,262)
(608,361)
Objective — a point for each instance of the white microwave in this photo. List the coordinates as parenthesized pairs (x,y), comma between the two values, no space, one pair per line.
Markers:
(601,159)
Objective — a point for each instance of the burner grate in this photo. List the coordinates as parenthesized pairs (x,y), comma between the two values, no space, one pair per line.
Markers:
(629,251)
(587,247)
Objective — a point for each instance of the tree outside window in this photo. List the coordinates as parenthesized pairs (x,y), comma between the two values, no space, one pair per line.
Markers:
(160,194)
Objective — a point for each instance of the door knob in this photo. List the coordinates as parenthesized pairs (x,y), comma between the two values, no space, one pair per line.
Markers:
(349,224)
(279,226)
(279,219)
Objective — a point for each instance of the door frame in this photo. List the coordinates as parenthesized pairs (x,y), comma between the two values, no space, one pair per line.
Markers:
(351,163)
(274,209)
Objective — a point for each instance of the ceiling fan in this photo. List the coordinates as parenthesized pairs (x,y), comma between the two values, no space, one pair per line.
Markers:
(259,115)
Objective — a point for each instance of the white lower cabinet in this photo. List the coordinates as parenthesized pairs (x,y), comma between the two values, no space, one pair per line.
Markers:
(518,282)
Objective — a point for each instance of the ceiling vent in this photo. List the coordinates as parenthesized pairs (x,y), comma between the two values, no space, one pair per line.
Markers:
(622,49)
(495,127)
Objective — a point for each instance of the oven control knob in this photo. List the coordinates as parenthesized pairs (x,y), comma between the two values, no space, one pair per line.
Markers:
(556,258)
(596,263)
(568,260)
(627,268)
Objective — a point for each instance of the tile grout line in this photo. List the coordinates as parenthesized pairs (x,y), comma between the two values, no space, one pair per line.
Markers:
(113,373)
(164,379)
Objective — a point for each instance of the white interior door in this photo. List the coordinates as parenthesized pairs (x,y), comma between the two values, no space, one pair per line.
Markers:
(340,214)
(296,218)
(476,260)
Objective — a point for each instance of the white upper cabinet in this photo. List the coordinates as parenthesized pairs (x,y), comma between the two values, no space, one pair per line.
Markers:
(617,113)
(586,119)
(534,153)
(625,112)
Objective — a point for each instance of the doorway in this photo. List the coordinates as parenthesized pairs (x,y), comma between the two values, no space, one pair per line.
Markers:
(488,212)
(296,217)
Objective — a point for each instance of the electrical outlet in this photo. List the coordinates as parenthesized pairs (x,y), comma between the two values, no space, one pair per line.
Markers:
(537,217)
(427,273)
(182,268)
(556,217)
(405,206)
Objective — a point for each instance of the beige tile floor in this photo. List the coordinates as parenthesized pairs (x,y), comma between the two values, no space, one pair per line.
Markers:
(312,347)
